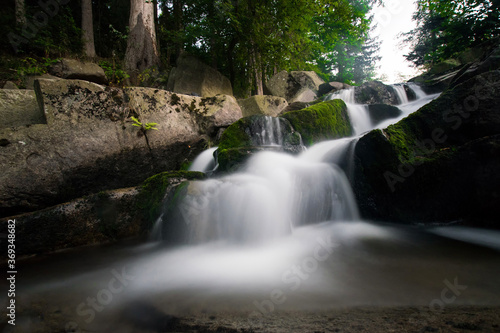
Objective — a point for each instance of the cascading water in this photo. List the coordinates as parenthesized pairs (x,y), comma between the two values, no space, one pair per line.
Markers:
(401,93)
(285,225)
(358,113)
(204,162)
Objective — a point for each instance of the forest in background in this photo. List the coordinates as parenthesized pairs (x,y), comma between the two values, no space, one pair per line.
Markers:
(246,40)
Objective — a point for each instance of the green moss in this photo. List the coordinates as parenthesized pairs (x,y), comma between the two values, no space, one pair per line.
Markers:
(235,136)
(322,121)
(153,190)
(232,159)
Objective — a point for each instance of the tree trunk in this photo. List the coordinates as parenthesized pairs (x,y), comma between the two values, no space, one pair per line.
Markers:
(178,17)
(20,13)
(88,29)
(142,50)
(257,72)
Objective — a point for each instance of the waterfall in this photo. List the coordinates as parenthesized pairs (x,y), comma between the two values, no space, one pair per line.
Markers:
(416,88)
(401,93)
(204,162)
(275,192)
(358,113)
(270,132)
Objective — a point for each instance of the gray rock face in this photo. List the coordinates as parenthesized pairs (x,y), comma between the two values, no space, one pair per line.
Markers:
(265,105)
(296,86)
(88,143)
(19,108)
(74,69)
(375,92)
(192,77)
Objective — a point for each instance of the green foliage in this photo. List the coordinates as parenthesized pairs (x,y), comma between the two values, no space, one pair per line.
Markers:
(447,28)
(32,66)
(114,72)
(144,127)
(251,40)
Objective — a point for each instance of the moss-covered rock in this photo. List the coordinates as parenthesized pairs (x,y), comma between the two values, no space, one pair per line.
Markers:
(322,121)
(437,164)
(156,188)
(252,134)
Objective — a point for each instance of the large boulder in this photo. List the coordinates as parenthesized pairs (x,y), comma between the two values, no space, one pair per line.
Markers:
(322,121)
(296,86)
(265,105)
(439,164)
(330,87)
(75,69)
(375,92)
(382,112)
(89,144)
(97,218)
(193,77)
(19,108)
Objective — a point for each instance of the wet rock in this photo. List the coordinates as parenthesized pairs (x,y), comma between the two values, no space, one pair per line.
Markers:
(382,112)
(375,92)
(98,218)
(437,164)
(322,121)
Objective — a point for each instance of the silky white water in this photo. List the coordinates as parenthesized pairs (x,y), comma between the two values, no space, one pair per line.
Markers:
(284,223)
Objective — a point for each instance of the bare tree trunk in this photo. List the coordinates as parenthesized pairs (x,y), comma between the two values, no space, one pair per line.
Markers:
(20,13)
(257,71)
(142,49)
(178,14)
(88,29)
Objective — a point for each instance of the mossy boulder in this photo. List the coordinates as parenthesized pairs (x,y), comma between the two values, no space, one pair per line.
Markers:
(322,121)
(156,188)
(437,164)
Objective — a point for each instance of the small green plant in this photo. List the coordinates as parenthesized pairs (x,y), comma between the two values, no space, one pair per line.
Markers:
(114,72)
(144,127)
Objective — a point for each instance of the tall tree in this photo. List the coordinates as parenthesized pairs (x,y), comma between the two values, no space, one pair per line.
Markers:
(446,28)
(20,10)
(88,29)
(142,49)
